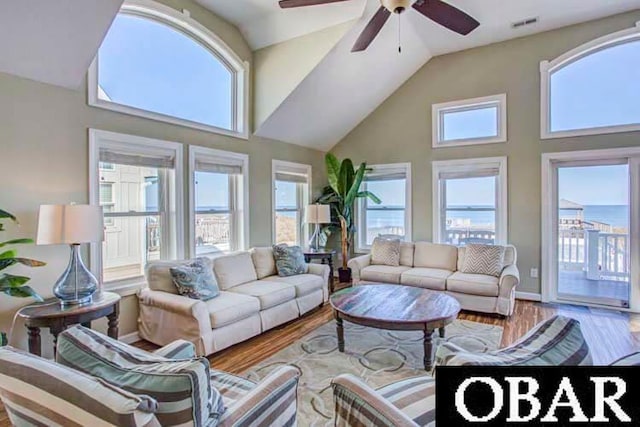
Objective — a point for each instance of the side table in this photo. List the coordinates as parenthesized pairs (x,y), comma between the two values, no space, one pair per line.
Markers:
(51,315)
(325,256)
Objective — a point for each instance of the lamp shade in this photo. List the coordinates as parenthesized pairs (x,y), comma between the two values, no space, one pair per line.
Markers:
(318,214)
(70,224)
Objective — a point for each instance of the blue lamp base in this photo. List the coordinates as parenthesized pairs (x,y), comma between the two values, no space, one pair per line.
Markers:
(77,284)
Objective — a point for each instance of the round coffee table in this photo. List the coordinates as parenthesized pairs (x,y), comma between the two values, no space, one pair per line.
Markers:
(395,307)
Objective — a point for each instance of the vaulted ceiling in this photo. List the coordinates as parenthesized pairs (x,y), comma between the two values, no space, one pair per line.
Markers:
(344,87)
(53,41)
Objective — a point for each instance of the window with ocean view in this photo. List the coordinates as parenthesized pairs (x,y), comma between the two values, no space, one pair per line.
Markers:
(218,198)
(291,195)
(470,201)
(391,183)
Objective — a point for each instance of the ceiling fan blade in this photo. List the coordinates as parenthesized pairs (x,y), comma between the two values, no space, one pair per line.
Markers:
(285,4)
(447,16)
(371,30)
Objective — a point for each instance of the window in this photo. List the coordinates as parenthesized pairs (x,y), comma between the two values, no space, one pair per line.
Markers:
(107,199)
(593,89)
(142,195)
(392,217)
(158,63)
(219,201)
(470,201)
(291,183)
(471,121)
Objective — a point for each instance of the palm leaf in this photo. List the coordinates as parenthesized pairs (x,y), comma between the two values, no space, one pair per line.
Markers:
(355,187)
(16,242)
(9,254)
(11,281)
(6,263)
(22,292)
(370,195)
(30,262)
(346,177)
(7,215)
(333,170)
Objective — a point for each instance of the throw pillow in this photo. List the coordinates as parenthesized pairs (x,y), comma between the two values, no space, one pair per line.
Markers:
(196,280)
(385,252)
(181,387)
(289,260)
(484,259)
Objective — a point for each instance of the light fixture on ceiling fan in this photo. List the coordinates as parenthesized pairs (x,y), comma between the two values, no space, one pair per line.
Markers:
(438,11)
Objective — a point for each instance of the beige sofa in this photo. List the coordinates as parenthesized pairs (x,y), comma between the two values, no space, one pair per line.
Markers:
(253,299)
(436,267)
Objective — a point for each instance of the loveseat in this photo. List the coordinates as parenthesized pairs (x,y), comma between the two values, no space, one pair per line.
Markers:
(252,299)
(437,267)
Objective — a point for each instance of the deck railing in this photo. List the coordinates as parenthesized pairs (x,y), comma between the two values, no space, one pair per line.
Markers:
(600,255)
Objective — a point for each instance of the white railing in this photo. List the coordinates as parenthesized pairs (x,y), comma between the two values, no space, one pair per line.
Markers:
(599,255)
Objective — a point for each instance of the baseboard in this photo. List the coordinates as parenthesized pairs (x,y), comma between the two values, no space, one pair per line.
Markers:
(529,296)
(130,338)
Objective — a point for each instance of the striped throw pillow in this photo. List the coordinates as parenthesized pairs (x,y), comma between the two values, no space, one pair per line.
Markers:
(36,391)
(181,387)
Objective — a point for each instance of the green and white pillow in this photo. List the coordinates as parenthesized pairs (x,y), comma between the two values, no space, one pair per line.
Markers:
(289,260)
(196,280)
(484,259)
(181,386)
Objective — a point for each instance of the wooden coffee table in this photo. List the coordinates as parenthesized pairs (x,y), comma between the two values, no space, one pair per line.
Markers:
(395,307)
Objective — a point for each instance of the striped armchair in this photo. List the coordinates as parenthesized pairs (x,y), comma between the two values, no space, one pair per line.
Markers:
(168,387)
(557,341)
(411,402)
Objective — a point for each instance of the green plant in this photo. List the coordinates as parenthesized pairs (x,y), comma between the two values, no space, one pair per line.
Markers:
(10,284)
(344,188)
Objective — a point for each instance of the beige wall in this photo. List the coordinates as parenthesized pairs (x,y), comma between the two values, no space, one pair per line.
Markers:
(44,158)
(400,129)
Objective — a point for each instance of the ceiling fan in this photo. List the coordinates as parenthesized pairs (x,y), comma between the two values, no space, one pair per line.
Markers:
(443,13)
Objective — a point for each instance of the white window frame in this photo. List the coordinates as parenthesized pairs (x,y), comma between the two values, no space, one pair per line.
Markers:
(547,68)
(191,28)
(549,235)
(360,211)
(471,165)
(276,165)
(242,227)
(439,110)
(100,139)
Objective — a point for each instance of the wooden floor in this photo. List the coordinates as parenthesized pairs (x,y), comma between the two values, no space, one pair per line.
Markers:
(610,334)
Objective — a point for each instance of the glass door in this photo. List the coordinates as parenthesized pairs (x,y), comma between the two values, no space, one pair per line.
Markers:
(593,232)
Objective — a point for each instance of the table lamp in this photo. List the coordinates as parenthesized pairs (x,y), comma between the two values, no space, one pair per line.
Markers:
(318,214)
(72,225)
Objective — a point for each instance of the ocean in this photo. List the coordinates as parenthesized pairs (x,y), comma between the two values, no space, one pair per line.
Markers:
(614,215)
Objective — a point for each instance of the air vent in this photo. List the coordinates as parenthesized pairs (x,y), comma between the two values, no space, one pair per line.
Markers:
(524,23)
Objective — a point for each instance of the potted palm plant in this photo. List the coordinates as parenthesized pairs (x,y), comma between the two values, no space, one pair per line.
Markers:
(12,285)
(343,190)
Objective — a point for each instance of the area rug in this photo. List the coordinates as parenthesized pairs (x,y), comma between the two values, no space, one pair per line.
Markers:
(378,357)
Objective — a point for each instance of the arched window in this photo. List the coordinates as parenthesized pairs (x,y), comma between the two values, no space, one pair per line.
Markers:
(158,63)
(593,89)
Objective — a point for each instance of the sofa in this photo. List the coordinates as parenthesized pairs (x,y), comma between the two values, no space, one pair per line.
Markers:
(37,391)
(252,300)
(411,402)
(437,267)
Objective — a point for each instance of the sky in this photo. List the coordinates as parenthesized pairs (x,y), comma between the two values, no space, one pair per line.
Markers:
(594,185)
(147,65)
